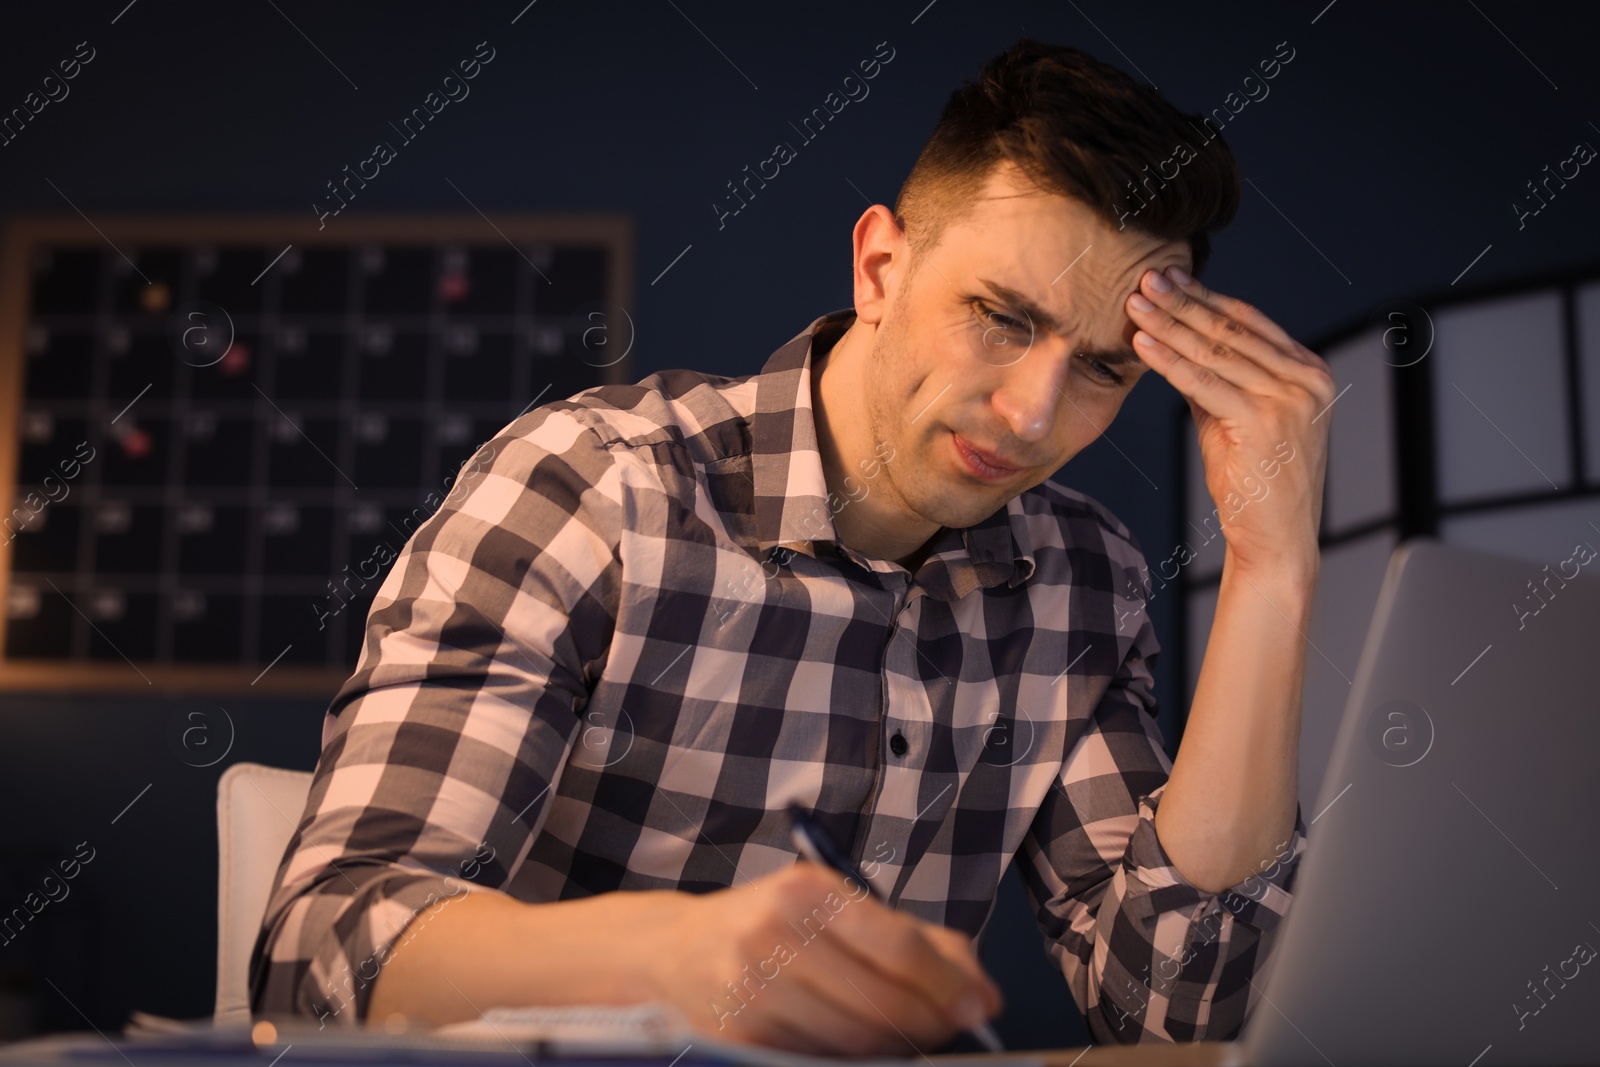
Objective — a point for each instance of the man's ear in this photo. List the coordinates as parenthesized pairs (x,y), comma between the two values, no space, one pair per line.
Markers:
(880,251)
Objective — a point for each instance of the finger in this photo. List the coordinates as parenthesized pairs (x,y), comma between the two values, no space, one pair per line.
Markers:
(773,1031)
(795,1015)
(799,1038)
(1226,315)
(1198,383)
(1231,309)
(1302,380)
(870,995)
(1231,363)
(894,944)
(1211,312)
(957,947)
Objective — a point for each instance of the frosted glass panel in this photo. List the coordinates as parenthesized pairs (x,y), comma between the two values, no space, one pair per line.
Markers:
(1347,593)
(1361,451)
(1500,398)
(1589,371)
(1201,533)
(1544,534)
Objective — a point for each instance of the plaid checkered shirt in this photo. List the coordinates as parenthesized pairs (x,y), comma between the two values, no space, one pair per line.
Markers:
(629,636)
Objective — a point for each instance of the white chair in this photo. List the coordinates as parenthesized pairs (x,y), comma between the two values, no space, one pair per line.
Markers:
(258,809)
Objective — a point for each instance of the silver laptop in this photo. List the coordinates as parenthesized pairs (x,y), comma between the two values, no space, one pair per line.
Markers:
(1447,910)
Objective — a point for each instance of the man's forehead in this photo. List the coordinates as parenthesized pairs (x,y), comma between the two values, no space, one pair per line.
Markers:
(1055,249)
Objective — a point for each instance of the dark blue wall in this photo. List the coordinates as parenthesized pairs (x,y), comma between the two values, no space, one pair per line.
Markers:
(1385,158)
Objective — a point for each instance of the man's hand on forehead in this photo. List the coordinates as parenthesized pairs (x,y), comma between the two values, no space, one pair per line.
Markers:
(1259,399)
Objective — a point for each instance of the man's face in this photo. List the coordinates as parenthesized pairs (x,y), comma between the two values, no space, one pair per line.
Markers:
(1007,351)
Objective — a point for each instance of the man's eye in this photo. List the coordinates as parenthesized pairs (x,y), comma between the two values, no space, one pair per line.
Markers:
(998,321)
(1099,370)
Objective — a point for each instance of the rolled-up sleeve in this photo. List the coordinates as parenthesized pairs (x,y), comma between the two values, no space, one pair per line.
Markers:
(1147,955)
(441,751)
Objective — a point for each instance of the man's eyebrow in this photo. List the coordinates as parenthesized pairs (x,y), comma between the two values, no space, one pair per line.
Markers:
(1121,355)
(1022,303)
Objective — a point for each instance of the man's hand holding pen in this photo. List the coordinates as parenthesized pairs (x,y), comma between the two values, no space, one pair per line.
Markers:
(805,959)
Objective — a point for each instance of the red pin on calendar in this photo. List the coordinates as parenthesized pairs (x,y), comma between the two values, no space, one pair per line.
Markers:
(136,443)
(237,360)
(454,286)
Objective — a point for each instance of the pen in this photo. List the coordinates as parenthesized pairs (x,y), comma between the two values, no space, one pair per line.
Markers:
(815,845)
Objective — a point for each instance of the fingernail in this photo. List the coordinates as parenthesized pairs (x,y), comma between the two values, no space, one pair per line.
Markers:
(1179,275)
(1141,302)
(1159,283)
(970,1012)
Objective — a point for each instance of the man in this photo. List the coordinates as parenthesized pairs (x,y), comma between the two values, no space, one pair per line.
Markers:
(659,612)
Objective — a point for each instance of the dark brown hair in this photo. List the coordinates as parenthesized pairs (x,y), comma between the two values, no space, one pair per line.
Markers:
(1080,128)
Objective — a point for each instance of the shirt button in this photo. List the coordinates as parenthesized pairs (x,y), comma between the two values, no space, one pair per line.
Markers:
(898,745)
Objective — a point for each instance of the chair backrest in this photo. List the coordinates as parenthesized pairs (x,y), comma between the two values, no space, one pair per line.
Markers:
(258,809)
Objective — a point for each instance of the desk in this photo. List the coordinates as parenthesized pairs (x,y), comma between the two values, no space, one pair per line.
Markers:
(91,1048)
(1195,1054)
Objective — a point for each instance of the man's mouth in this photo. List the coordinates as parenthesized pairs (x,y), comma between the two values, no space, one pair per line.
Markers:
(981,464)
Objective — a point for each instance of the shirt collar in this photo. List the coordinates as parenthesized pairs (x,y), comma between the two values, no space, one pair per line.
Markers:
(791,498)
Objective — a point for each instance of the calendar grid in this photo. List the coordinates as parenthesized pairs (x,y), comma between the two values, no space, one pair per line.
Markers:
(234,512)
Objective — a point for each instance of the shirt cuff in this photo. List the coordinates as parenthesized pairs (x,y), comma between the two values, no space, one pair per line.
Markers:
(1259,900)
(334,980)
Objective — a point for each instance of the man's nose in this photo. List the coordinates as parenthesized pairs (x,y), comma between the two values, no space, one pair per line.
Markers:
(1029,392)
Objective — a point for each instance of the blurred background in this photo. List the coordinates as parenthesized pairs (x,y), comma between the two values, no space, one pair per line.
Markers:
(1399,213)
